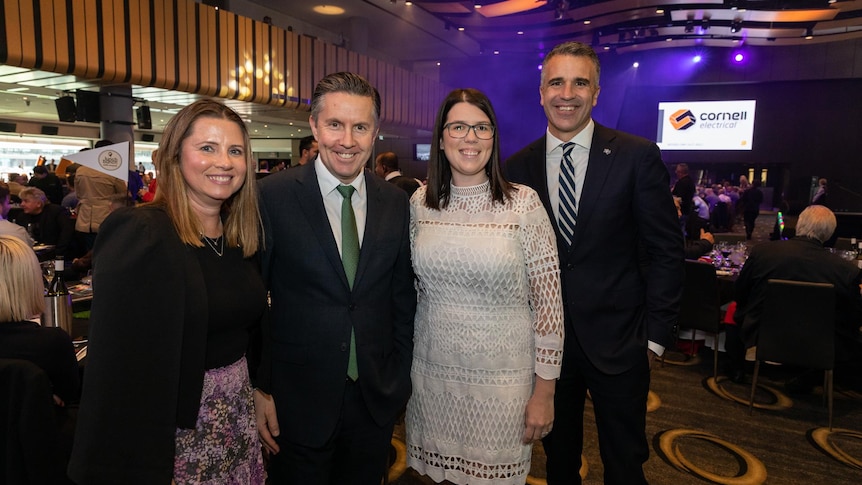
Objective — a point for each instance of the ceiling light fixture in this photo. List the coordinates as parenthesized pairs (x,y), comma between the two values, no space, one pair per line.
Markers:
(809,33)
(689,26)
(329,9)
(735,25)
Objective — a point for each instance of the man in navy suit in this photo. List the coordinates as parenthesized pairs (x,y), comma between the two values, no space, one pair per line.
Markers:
(322,423)
(621,271)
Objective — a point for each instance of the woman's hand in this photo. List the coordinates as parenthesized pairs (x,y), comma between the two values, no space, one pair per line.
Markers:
(539,416)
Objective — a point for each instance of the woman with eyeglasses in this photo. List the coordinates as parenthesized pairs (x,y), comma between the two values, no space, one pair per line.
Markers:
(488,338)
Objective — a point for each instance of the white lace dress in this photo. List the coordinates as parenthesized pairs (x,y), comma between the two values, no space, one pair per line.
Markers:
(489,319)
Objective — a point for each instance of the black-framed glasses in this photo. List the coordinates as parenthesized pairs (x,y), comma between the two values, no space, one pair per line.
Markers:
(483,131)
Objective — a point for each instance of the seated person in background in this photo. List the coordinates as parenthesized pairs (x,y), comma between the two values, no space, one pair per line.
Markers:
(49,222)
(21,298)
(700,207)
(9,228)
(698,242)
(802,258)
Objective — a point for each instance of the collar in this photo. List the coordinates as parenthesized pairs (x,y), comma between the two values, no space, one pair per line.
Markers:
(328,182)
(584,138)
(391,175)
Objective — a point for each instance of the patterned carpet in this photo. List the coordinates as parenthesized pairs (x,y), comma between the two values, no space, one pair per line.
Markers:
(700,437)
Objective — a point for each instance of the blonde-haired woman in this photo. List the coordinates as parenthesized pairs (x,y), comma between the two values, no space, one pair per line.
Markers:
(177,293)
(21,299)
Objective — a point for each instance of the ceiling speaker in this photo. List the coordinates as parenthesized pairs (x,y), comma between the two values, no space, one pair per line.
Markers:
(145,122)
(65,108)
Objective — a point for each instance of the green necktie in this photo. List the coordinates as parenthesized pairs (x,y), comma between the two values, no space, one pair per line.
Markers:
(350,260)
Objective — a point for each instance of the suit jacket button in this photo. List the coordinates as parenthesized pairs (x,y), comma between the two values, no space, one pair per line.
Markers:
(344,347)
(352,306)
(570,266)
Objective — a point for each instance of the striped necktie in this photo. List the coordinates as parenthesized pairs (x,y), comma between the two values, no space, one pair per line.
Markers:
(350,260)
(568,203)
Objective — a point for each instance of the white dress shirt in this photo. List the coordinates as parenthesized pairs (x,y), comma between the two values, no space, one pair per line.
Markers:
(580,159)
(332,201)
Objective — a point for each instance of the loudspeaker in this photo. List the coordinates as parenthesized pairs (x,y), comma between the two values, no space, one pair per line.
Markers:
(49,130)
(144,120)
(8,127)
(148,137)
(88,106)
(65,108)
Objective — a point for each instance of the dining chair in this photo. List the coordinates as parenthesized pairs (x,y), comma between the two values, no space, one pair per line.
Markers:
(699,307)
(797,327)
(28,434)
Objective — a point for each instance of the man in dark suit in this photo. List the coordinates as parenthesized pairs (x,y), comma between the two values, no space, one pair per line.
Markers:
(802,258)
(621,267)
(325,424)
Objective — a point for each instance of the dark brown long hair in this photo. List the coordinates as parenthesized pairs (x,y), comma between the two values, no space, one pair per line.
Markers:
(439,170)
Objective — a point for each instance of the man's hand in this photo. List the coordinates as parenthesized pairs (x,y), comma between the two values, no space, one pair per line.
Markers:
(267,422)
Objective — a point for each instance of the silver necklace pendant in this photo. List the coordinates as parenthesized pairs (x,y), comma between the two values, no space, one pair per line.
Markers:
(213,242)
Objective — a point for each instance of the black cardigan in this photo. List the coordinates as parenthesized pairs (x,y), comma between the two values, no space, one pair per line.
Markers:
(145,363)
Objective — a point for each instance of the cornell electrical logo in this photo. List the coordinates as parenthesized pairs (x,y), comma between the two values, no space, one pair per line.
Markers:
(682,119)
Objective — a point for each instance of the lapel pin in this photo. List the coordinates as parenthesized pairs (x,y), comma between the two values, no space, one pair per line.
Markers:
(607,151)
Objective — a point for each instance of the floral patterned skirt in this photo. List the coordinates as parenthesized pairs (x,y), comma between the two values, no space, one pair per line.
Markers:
(223,448)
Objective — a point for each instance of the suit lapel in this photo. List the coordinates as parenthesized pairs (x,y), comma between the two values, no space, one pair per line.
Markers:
(373,221)
(311,202)
(599,168)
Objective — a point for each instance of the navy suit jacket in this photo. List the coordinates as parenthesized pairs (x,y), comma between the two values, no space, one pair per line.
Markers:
(306,347)
(622,275)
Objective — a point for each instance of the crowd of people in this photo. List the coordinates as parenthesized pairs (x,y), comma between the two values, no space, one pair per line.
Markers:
(716,207)
(299,314)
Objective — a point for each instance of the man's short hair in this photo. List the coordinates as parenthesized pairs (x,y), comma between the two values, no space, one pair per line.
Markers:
(305,143)
(816,222)
(40,169)
(33,193)
(389,160)
(575,49)
(682,168)
(344,82)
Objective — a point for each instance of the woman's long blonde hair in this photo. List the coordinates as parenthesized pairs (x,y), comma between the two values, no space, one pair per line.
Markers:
(240,212)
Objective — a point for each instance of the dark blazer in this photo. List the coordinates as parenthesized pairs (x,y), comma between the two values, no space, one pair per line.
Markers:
(797,259)
(55,227)
(622,276)
(313,308)
(145,364)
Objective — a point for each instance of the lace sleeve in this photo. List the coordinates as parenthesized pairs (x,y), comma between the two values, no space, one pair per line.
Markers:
(543,273)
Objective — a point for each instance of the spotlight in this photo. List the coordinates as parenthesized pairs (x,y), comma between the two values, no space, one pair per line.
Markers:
(689,26)
(636,65)
(696,58)
(809,33)
(704,25)
(735,26)
(738,57)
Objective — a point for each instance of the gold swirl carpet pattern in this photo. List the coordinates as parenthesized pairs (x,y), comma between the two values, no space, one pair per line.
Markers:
(672,445)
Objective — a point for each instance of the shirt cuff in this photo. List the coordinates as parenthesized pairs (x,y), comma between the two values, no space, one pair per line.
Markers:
(658,349)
